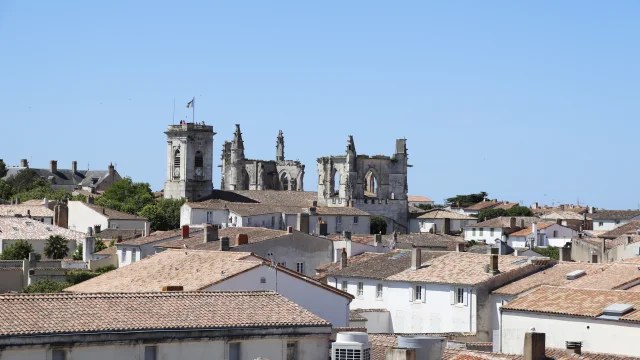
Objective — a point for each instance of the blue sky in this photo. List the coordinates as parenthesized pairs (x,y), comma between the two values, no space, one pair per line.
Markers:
(529,101)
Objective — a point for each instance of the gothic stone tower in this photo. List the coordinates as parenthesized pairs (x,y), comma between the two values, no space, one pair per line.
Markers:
(189,161)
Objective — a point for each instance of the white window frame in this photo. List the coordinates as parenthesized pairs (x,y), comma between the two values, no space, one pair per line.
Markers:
(123,256)
(345,285)
(133,254)
(379,291)
(459,295)
(417,293)
(360,289)
(458,292)
(300,267)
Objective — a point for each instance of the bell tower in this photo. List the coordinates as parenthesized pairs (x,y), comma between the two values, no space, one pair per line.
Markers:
(189,161)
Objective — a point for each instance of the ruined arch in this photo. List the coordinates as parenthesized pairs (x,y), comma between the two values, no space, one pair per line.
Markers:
(284,181)
(336,181)
(246,179)
(371,183)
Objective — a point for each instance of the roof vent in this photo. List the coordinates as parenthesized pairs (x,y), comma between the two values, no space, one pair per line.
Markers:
(575,274)
(615,311)
(351,346)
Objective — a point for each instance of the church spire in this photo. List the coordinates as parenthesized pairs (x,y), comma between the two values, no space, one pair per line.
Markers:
(237,139)
(280,147)
(351,146)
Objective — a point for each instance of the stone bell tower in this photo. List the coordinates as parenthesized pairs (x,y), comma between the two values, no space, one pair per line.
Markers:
(189,161)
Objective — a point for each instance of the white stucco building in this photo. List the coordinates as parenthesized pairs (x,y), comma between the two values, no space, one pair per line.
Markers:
(207,270)
(440,221)
(497,229)
(604,220)
(430,292)
(36,233)
(85,215)
(542,235)
(236,326)
(603,321)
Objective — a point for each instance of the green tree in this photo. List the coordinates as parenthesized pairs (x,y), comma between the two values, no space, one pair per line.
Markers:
(78,276)
(549,251)
(126,196)
(163,214)
(467,200)
(3,169)
(378,225)
(429,206)
(77,253)
(519,211)
(104,269)
(17,251)
(46,286)
(99,245)
(56,247)
(489,214)
(25,180)
(6,191)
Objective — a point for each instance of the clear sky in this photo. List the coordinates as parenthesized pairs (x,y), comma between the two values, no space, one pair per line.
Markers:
(528,101)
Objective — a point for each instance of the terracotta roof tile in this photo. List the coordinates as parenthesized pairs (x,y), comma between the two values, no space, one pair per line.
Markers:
(29,229)
(445,214)
(554,276)
(529,230)
(418,198)
(355,316)
(22,209)
(31,313)
(552,354)
(196,238)
(425,240)
(610,276)
(483,205)
(629,228)
(159,236)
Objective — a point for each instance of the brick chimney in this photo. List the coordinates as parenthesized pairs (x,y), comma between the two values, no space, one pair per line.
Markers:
(210,233)
(185,231)
(24,163)
(242,239)
(53,166)
(224,243)
(343,258)
(534,346)
(74,167)
(112,169)
(416,258)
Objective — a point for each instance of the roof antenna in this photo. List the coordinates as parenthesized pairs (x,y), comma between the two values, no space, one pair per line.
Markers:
(87,165)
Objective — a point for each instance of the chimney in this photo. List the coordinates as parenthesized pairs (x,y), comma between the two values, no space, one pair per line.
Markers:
(29,216)
(378,238)
(24,163)
(290,229)
(118,239)
(172,288)
(416,258)
(104,211)
(74,167)
(522,224)
(112,169)
(242,239)
(565,253)
(534,205)
(185,231)
(534,230)
(312,210)
(559,221)
(561,207)
(512,222)
(574,347)
(302,222)
(224,243)
(33,260)
(460,247)
(96,229)
(343,258)
(346,235)
(534,345)
(88,247)
(210,233)
(53,166)
(493,261)
(314,203)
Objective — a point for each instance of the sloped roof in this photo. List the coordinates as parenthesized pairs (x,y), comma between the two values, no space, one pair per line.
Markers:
(29,229)
(418,198)
(614,214)
(449,242)
(613,276)
(506,205)
(564,215)
(196,238)
(286,198)
(529,230)
(445,214)
(110,234)
(112,214)
(64,178)
(116,312)
(158,236)
(629,228)
(23,210)
(252,209)
(483,205)
(504,222)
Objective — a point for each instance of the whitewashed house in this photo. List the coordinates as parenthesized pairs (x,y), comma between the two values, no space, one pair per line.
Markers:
(35,212)
(604,220)
(208,270)
(542,235)
(603,321)
(237,325)
(430,292)
(36,233)
(133,250)
(356,244)
(496,229)
(84,215)
(441,221)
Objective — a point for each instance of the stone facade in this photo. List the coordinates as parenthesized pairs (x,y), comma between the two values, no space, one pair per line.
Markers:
(189,161)
(240,173)
(376,184)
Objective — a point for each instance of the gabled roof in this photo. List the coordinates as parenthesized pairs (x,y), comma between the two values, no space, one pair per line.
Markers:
(418,198)
(445,214)
(575,302)
(117,312)
(614,214)
(425,240)
(506,205)
(483,205)
(196,238)
(23,210)
(563,215)
(159,236)
(529,230)
(504,222)
(286,198)
(629,228)
(29,229)
(112,214)
(613,276)
(126,234)
(330,268)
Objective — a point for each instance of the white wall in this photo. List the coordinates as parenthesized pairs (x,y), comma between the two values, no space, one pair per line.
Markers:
(309,348)
(38,245)
(546,236)
(434,314)
(610,224)
(378,322)
(82,217)
(604,336)
(129,225)
(486,234)
(322,302)
(348,224)
(425,225)
(354,248)
(414,225)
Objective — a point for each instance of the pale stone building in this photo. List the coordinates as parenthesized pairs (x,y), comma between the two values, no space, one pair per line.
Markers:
(240,173)
(189,161)
(375,184)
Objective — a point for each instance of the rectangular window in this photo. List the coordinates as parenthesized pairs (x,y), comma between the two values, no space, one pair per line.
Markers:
(379,291)
(133,254)
(473,232)
(123,257)
(417,293)
(273,222)
(601,223)
(283,264)
(555,233)
(481,231)
(150,352)
(234,351)
(345,285)
(292,350)
(355,219)
(360,288)
(209,217)
(300,267)
(249,221)
(58,354)
(490,231)
(459,296)
(339,219)
(617,221)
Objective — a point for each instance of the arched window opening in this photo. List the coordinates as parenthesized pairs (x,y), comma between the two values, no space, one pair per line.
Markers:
(336,183)
(370,184)
(199,159)
(284,181)
(176,164)
(245,179)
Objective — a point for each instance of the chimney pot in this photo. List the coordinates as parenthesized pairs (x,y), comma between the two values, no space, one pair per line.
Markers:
(74,167)
(290,229)
(534,346)
(24,163)
(343,258)
(210,233)
(242,239)
(224,243)
(493,262)
(53,166)
(346,235)
(416,258)
(185,231)
(119,239)
(512,222)
(314,203)
(378,238)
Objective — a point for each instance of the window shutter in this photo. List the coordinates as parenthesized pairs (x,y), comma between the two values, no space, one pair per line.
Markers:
(413,293)
(466,296)
(453,296)
(424,294)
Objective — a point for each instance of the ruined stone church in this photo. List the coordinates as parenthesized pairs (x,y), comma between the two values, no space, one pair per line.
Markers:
(375,184)
(240,173)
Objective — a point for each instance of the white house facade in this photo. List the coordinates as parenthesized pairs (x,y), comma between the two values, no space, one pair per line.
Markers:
(605,220)
(84,215)
(542,235)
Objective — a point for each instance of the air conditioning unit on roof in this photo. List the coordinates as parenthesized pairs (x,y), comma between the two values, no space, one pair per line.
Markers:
(351,346)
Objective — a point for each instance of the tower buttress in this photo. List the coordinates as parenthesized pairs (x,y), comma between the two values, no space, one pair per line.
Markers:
(280,147)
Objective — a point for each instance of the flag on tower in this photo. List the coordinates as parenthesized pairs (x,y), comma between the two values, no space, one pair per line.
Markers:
(191,103)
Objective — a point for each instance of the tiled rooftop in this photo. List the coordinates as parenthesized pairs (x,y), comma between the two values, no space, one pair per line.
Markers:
(193,269)
(126,234)
(418,198)
(159,236)
(614,214)
(483,205)
(32,313)
(611,276)
(113,214)
(564,215)
(629,228)
(445,214)
(355,316)
(29,229)
(196,239)
(504,222)
(329,268)
(426,240)
(529,230)
(23,210)
(252,209)
(576,302)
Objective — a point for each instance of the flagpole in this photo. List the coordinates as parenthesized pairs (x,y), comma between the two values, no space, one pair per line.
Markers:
(193,108)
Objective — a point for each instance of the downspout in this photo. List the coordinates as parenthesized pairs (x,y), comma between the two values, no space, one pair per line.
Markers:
(501,326)
(471,311)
